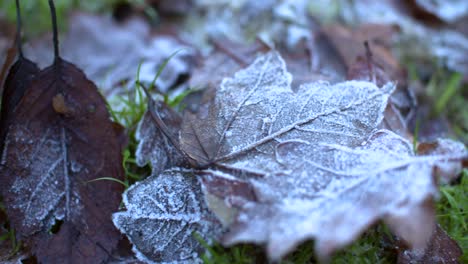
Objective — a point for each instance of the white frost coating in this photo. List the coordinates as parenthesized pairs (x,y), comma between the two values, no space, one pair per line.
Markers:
(153,146)
(162,214)
(325,172)
(321,112)
(108,59)
(333,193)
(46,194)
(419,40)
(447,10)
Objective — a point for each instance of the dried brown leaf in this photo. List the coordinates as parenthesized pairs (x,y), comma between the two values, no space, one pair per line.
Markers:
(60,139)
(113,58)
(49,158)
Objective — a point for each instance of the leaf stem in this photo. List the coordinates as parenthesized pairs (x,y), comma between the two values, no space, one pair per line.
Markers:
(54,28)
(18,29)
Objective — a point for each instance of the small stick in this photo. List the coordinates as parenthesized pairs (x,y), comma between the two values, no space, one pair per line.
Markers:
(55,31)
(370,62)
(219,46)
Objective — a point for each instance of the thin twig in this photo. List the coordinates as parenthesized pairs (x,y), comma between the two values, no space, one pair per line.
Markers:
(18,29)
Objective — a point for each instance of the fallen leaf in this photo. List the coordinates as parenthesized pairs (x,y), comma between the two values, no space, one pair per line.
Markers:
(16,83)
(7,47)
(257,108)
(441,249)
(448,11)
(113,58)
(367,69)
(163,215)
(312,159)
(420,41)
(276,22)
(153,146)
(349,43)
(60,139)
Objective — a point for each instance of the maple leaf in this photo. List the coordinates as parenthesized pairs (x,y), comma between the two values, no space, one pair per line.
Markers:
(60,139)
(279,166)
(257,109)
(163,213)
(313,160)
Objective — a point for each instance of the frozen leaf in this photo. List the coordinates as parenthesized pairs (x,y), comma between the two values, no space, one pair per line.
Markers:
(153,145)
(333,193)
(288,166)
(257,109)
(17,82)
(449,11)
(110,53)
(276,22)
(162,215)
(62,138)
(419,40)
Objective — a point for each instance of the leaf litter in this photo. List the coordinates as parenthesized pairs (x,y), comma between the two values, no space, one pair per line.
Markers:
(279,166)
(53,148)
(239,174)
(113,58)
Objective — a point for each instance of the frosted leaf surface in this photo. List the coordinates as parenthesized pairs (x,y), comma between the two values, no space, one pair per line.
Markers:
(114,57)
(53,152)
(257,109)
(309,163)
(332,193)
(420,40)
(163,213)
(449,11)
(153,146)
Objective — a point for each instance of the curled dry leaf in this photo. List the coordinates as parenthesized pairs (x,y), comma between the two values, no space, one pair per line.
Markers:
(163,215)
